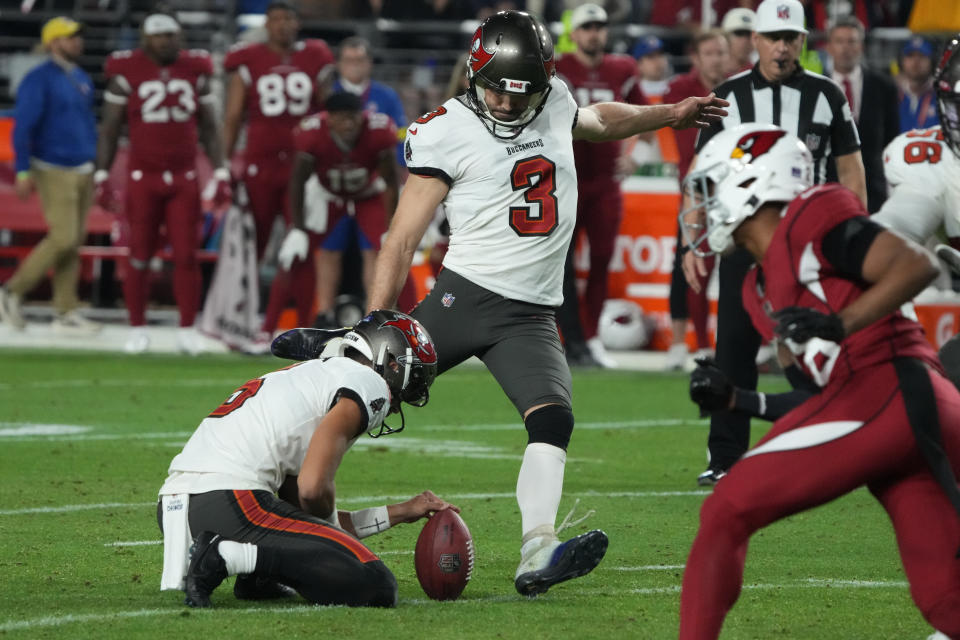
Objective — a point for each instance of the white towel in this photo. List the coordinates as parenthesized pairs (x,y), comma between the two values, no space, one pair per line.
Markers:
(176,541)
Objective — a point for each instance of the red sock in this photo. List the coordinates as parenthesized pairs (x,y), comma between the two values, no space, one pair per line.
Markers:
(136,290)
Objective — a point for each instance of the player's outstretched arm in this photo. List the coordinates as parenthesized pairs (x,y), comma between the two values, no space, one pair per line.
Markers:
(898,269)
(330,441)
(367,522)
(616,120)
(418,201)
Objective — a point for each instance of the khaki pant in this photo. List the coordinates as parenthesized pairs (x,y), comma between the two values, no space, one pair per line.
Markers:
(66,197)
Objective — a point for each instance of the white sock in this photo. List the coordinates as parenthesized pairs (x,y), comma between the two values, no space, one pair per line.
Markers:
(240,557)
(540,486)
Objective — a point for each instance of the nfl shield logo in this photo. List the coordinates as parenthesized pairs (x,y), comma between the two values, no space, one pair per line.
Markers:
(447,300)
(812,141)
(783,12)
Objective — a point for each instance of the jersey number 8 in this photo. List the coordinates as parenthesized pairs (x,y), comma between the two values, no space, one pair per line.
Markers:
(284,94)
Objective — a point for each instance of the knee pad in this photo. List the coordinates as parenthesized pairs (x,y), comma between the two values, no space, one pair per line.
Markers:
(551,425)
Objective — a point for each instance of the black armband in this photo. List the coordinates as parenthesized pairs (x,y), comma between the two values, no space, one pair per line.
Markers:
(846,245)
(768,406)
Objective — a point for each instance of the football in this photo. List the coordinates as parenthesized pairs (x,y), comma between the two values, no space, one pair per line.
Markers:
(444,556)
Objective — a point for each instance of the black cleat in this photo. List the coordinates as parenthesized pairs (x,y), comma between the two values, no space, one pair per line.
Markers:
(574,558)
(207,570)
(711,476)
(251,587)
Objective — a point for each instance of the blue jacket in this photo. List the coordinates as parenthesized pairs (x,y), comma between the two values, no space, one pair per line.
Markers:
(53,118)
(380,98)
(919,112)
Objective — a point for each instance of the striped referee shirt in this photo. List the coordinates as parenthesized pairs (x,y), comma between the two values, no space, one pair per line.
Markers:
(809,105)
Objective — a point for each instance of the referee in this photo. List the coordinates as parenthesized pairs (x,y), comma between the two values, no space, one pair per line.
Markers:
(779,91)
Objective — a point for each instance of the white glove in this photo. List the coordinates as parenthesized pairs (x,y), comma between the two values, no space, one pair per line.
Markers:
(295,246)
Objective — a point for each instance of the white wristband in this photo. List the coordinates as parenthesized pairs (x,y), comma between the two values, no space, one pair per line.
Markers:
(100,176)
(222,174)
(367,522)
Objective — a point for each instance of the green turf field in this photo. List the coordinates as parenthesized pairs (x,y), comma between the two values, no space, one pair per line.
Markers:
(72,507)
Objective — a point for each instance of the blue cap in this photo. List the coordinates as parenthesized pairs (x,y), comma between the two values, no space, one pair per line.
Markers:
(646,46)
(917,44)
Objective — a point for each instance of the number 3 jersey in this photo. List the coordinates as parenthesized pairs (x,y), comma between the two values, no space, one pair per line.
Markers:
(161,103)
(281,89)
(260,434)
(799,270)
(924,178)
(512,204)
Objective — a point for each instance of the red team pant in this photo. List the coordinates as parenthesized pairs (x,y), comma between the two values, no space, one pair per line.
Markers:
(599,210)
(267,181)
(171,199)
(797,467)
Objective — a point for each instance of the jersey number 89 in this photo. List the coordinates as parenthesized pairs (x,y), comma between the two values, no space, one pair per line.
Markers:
(284,94)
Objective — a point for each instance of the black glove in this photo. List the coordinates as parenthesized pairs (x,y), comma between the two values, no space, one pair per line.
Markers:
(802,323)
(710,387)
(304,344)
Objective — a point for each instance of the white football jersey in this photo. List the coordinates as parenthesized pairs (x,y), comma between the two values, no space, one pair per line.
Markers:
(924,179)
(512,204)
(260,434)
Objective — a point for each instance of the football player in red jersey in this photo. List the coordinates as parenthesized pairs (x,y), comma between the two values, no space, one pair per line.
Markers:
(274,84)
(594,76)
(163,94)
(350,152)
(829,282)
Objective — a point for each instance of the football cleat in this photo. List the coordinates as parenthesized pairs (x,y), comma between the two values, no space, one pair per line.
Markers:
(206,571)
(599,353)
(711,476)
(676,357)
(579,356)
(10,310)
(72,323)
(138,341)
(557,562)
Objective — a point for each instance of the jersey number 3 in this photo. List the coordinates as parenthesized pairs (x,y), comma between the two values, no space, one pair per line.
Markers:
(536,177)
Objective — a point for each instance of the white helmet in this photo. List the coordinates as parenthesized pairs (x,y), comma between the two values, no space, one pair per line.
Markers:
(737,171)
(622,326)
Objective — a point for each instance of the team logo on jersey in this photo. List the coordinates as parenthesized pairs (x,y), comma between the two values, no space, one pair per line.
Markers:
(753,145)
(416,338)
(377,404)
(407,151)
(447,300)
(479,56)
(783,12)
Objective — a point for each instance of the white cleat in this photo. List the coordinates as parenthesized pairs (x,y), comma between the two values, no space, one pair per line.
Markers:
(599,353)
(190,341)
(676,357)
(72,323)
(938,636)
(10,310)
(547,561)
(138,341)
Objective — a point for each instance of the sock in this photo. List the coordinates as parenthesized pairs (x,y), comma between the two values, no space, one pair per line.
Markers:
(539,487)
(240,557)
(136,289)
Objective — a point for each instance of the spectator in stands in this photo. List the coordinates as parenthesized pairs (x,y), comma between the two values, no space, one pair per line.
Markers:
(739,24)
(687,13)
(653,66)
(54,142)
(918,100)
(710,55)
(879,122)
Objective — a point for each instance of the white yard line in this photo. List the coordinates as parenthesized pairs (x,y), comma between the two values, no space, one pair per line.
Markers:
(55,621)
(650,567)
(133,543)
(347,500)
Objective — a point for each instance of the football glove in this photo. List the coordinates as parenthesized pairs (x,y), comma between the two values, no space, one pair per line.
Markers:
(295,246)
(800,324)
(304,343)
(104,196)
(710,388)
(217,194)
